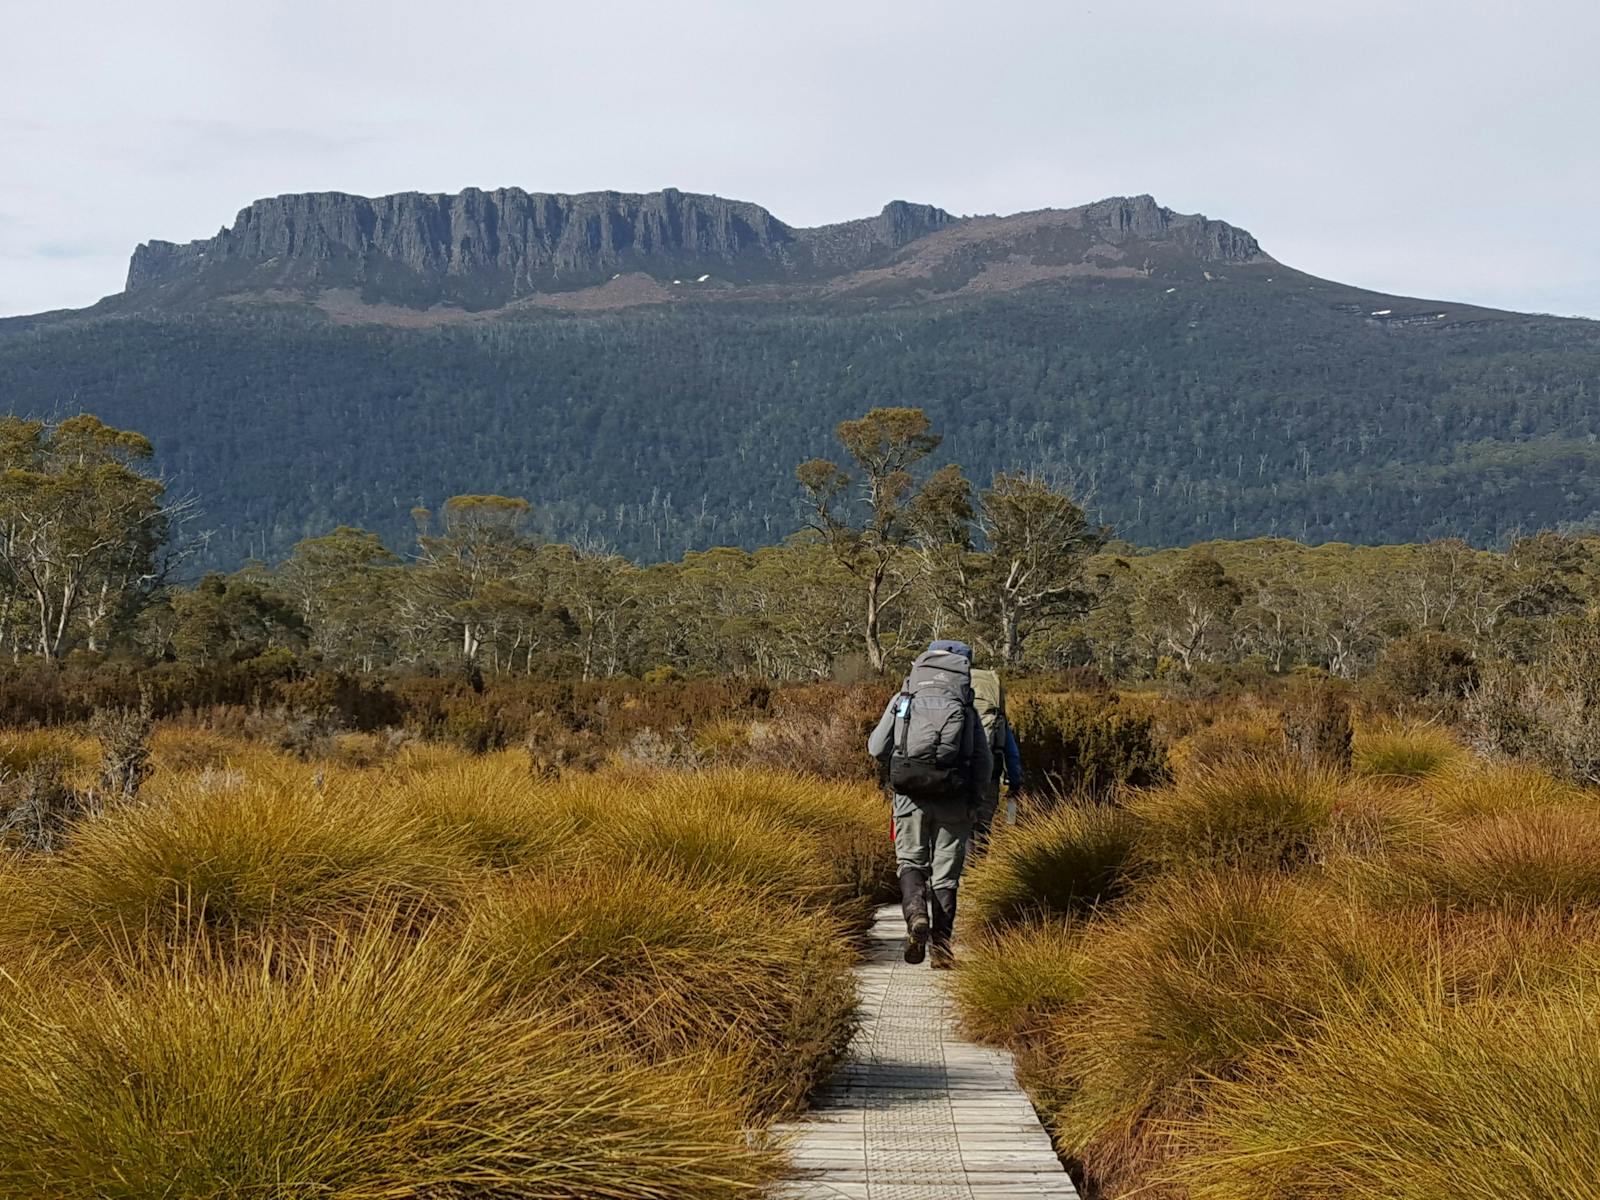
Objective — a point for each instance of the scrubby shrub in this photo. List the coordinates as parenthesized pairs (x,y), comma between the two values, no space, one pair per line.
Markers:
(124,739)
(1088,746)
(1063,862)
(554,749)
(369,1067)
(651,750)
(1548,712)
(1428,667)
(39,806)
(1405,752)
(831,747)
(1267,814)
(1316,726)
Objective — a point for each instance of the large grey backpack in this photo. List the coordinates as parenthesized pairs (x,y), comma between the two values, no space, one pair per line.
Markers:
(933,748)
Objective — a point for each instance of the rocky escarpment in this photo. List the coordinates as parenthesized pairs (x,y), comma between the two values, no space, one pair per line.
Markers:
(1140,218)
(482,248)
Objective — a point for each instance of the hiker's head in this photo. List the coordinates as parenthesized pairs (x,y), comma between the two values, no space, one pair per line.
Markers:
(960,648)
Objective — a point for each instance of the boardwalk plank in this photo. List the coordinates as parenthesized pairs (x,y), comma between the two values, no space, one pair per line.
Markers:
(916,1112)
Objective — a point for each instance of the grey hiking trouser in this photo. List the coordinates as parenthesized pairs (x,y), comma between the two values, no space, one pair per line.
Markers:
(931,841)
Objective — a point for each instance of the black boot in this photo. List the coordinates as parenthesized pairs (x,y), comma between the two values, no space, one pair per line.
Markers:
(944,927)
(914,903)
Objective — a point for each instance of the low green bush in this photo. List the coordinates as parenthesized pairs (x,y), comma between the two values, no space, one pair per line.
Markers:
(1087,745)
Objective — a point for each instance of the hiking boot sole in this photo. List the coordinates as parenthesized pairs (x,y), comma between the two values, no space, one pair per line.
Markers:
(917,941)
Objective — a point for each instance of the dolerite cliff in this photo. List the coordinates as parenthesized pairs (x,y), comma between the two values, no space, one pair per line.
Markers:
(482,250)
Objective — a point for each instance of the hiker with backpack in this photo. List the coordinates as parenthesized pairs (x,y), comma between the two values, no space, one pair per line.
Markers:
(989,696)
(932,741)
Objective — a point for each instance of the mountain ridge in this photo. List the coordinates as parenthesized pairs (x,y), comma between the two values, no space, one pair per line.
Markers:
(486,250)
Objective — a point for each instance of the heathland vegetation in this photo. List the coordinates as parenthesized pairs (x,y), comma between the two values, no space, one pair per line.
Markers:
(513,868)
(1285,976)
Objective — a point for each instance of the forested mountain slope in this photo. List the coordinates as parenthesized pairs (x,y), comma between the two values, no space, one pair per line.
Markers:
(1198,387)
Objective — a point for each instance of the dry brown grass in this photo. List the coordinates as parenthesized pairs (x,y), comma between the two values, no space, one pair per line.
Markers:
(431,974)
(366,1066)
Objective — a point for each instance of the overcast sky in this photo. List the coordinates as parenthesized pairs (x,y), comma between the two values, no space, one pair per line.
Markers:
(1439,149)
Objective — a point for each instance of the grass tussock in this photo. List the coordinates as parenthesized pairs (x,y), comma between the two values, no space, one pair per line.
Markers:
(266,858)
(1020,980)
(1540,857)
(1484,789)
(370,1066)
(1486,1099)
(1405,752)
(494,814)
(22,749)
(677,970)
(1068,860)
(1230,739)
(1312,983)
(1200,975)
(1262,814)
(841,824)
(426,975)
(704,835)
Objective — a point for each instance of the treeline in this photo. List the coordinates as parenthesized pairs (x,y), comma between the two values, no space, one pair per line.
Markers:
(90,546)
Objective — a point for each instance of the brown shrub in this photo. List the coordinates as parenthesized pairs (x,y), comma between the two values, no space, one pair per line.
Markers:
(1316,726)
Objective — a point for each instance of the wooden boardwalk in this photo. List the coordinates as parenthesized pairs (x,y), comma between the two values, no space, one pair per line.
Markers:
(917,1112)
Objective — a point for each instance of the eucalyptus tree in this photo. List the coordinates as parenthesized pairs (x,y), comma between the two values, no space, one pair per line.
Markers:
(83,525)
(866,517)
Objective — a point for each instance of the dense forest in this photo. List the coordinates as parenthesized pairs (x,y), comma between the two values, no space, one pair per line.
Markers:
(1240,408)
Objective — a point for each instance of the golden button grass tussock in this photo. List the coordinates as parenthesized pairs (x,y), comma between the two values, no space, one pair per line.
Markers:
(1405,751)
(678,968)
(369,1066)
(426,974)
(1067,860)
(1290,984)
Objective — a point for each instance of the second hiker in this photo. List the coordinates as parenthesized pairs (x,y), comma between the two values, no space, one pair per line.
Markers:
(989,695)
(933,742)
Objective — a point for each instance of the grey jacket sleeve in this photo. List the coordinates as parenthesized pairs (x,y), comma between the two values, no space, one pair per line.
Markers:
(881,742)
